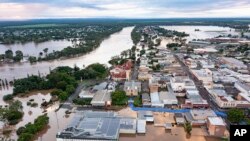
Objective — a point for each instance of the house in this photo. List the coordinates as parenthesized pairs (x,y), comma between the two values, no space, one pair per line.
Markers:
(101,98)
(216,126)
(132,88)
(121,72)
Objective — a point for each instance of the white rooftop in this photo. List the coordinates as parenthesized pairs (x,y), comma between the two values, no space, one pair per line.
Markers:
(216,121)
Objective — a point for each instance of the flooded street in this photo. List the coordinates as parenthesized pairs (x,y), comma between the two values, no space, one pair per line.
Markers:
(160,134)
(205,31)
(33,49)
(111,46)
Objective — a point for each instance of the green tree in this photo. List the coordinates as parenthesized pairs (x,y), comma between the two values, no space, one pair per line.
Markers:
(19,56)
(70,89)
(9,54)
(32,59)
(119,97)
(235,115)
(188,127)
(137,101)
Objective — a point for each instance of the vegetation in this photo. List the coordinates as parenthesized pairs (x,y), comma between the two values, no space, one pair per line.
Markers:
(136,35)
(8,97)
(173,45)
(235,115)
(119,97)
(85,39)
(28,132)
(82,101)
(62,79)
(13,113)
(137,101)
(170,33)
(188,127)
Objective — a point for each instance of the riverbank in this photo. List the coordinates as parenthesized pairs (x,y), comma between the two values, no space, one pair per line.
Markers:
(110,47)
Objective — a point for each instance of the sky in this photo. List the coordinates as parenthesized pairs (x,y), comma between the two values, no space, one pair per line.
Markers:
(52,9)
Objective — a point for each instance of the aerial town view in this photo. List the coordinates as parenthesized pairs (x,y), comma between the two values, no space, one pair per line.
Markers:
(110,70)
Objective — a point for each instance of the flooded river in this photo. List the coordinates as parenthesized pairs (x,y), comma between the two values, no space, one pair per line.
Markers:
(33,49)
(111,46)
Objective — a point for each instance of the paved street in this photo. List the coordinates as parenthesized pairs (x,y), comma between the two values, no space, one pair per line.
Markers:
(203,92)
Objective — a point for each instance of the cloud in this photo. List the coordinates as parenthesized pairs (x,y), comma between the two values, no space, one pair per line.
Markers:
(30,9)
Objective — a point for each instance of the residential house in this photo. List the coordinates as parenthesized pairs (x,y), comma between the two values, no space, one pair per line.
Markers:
(121,72)
(132,88)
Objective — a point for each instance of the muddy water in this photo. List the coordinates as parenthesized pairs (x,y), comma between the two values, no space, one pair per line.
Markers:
(205,31)
(33,49)
(111,46)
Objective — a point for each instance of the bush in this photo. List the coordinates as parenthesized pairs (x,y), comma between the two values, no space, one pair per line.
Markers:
(28,103)
(34,104)
(8,97)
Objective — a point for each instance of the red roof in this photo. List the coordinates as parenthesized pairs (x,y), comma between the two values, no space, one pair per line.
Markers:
(119,71)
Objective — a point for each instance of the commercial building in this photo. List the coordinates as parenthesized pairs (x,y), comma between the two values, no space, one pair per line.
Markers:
(91,128)
(168,98)
(233,63)
(155,100)
(97,126)
(216,126)
(199,117)
(205,76)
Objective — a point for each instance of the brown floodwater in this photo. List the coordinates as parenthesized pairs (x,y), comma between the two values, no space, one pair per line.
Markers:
(111,46)
(160,134)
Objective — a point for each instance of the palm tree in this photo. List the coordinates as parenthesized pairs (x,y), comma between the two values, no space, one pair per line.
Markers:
(188,127)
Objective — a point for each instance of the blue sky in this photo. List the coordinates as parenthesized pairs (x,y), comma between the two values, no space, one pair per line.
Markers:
(39,9)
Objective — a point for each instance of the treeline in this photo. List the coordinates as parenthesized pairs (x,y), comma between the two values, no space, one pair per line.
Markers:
(10,55)
(89,38)
(28,132)
(62,79)
(136,35)
(170,33)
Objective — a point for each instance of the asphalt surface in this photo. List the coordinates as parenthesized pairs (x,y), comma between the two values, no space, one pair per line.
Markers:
(202,90)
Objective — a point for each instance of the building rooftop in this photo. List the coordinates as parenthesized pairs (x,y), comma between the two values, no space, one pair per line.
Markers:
(92,128)
(101,97)
(132,85)
(216,121)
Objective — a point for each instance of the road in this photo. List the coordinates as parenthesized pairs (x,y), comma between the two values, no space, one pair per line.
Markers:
(202,90)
